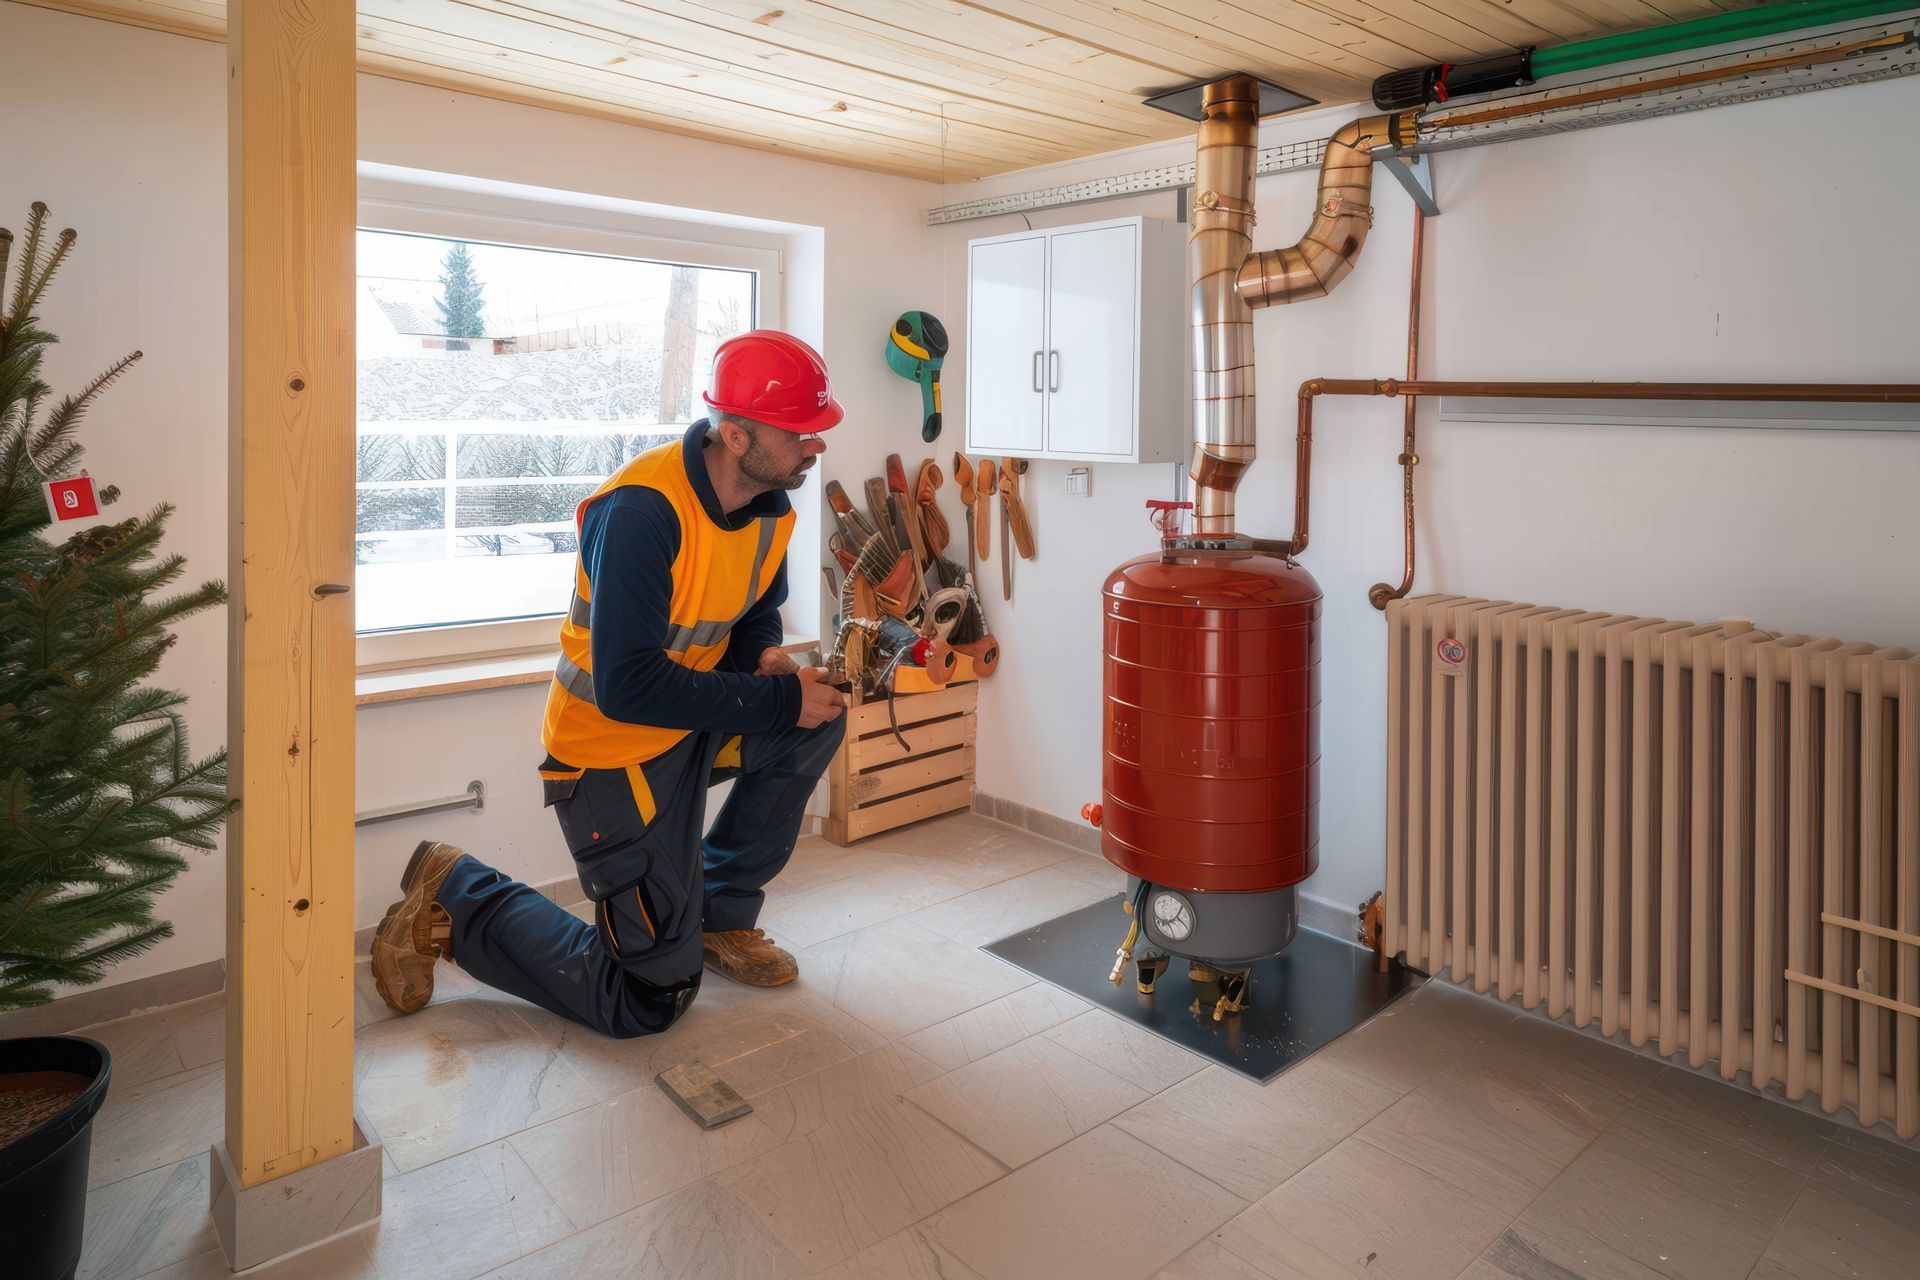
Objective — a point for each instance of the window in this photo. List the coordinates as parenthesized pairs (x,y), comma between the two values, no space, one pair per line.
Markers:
(500,382)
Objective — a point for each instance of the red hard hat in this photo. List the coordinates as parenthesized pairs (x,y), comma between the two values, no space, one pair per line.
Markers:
(775,378)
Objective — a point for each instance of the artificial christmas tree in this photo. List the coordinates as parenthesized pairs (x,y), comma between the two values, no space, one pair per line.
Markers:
(98,790)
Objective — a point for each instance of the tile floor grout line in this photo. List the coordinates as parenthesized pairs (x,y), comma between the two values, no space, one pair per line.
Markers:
(199,1155)
(507,1142)
(546,1190)
(1806,1181)
(1204,1177)
(1004,1166)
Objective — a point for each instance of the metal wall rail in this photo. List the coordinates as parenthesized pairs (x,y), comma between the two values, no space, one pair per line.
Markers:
(474,797)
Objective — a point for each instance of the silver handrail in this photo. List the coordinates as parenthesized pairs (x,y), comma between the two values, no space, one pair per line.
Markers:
(475,798)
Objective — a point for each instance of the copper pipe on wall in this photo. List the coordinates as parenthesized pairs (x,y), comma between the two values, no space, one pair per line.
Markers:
(1773,392)
(1495,112)
(1380,593)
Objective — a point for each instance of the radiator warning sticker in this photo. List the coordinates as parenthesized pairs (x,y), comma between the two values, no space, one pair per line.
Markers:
(1450,657)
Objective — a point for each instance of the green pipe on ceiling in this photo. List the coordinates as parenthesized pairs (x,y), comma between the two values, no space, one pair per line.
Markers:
(1719,28)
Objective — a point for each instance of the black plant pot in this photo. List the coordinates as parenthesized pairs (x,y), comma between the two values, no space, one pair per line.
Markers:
(43,1176)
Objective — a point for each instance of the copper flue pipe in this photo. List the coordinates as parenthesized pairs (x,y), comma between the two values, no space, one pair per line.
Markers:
(1380,593)
(1775,392)
(1222,322)
(1342,217)
(1228,280)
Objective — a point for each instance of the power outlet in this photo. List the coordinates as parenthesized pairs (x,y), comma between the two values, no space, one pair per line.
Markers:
(1079,483)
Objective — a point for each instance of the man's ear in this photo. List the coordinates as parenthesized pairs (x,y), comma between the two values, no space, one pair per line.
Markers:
(735,437)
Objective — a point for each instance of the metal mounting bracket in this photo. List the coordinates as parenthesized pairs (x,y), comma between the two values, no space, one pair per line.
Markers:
(1416,175)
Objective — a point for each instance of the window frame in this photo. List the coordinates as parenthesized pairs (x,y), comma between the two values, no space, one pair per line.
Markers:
(482,217)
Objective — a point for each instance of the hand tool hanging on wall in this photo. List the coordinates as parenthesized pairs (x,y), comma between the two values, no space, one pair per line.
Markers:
(1011,469)
(907,517)
(926,494)
(963,476)
(856,526)
(916,347)
(984,481)
(1007,480)
(877,507)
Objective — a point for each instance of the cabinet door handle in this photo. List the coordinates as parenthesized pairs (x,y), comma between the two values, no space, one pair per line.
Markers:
(1036,370)
(1053,362)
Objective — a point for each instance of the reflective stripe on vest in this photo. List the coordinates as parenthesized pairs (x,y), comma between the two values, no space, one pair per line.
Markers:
(578,681)
(575,680)
(573,727)
(711,632)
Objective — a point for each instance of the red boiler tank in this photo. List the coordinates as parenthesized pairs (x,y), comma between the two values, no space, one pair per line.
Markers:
(1211,732)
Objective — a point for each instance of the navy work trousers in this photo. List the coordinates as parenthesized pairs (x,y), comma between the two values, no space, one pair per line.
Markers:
(656,884)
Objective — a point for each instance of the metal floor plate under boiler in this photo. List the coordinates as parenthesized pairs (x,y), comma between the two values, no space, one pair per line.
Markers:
(1317,989)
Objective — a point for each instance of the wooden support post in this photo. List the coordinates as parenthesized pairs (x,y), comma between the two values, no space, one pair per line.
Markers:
(291,187)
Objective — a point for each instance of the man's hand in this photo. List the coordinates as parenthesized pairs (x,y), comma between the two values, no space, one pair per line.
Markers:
(775,661)
(819,702)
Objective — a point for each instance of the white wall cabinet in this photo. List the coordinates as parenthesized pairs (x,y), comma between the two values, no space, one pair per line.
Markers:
(1077,344)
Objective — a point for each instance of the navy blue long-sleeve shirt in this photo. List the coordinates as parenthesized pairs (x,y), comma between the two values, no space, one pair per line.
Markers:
(628,542)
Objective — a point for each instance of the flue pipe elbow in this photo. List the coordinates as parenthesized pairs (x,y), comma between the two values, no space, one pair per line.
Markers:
(1342,217)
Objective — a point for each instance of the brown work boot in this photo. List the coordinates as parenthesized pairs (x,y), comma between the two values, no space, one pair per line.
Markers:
(416,930)
(749,956)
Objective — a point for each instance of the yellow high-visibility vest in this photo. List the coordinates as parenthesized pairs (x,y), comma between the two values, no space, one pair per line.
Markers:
(718,574)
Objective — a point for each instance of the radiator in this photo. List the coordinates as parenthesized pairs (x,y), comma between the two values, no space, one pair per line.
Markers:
(1706,837)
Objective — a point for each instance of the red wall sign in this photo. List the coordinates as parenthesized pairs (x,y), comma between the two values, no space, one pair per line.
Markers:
(71,499)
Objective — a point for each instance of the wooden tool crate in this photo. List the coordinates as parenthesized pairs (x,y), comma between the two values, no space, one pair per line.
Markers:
(878,784)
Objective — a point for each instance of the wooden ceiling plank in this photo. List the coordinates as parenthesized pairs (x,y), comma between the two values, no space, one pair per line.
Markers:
(1560,19)
(1334,75)
(1023,44)
(919,51)
(1471,31)
(636,61)
(432,75)
(473,55)
(621,22)
(1303,27)
(1178,56)
(1284,31)
(180,20)
(449,51)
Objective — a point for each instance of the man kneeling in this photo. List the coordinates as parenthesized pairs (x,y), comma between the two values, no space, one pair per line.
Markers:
(670,679)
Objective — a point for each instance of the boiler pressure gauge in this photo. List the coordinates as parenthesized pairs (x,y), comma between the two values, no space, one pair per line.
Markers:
(1172,916)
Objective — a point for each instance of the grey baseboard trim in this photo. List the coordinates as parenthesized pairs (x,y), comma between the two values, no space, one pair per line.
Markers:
(1075,834)
(104,1004)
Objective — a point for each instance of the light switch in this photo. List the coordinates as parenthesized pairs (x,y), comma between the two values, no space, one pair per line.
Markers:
(1079,482)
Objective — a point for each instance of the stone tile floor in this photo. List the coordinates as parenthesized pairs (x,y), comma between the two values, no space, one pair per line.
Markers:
(922,1110)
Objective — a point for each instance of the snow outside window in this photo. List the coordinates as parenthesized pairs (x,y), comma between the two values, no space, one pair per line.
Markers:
(498,386)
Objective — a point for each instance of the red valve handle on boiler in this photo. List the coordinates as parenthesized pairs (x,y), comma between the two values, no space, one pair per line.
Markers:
(1166,515)
(1091,812)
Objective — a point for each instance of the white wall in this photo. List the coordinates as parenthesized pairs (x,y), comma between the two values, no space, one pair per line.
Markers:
(1766,242)
(123,133)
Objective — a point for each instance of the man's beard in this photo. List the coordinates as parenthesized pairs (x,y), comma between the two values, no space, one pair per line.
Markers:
(758,465)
